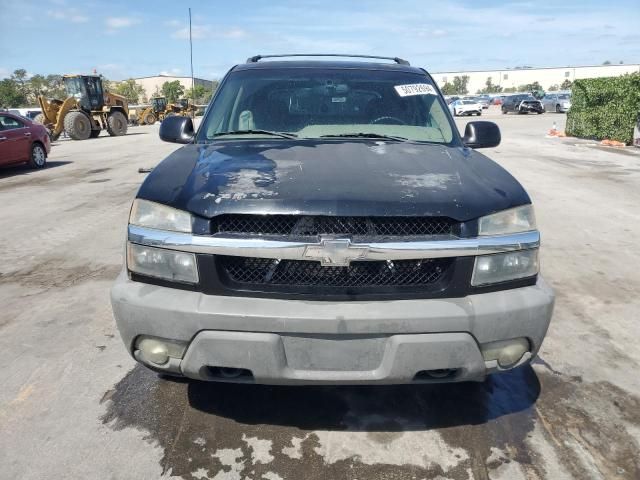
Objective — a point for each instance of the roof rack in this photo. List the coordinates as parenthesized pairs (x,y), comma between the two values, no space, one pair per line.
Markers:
(257,58)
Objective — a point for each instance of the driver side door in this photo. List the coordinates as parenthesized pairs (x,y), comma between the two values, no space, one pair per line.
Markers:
(14,140)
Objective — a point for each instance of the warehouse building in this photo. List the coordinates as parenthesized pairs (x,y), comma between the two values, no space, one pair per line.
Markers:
(546,77)
(153,85)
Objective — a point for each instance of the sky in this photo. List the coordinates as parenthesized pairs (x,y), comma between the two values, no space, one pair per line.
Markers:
(123,39)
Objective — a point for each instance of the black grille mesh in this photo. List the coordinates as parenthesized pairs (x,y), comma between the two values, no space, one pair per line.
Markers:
(331,225)
(266,271)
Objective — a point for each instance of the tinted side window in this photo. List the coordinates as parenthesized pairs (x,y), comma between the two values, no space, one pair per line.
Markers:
(8,123)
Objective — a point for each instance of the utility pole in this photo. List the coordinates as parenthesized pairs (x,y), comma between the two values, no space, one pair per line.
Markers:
(193,82)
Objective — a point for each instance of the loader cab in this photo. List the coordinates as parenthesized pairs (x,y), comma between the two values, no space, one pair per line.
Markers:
(87,89)
(159,104)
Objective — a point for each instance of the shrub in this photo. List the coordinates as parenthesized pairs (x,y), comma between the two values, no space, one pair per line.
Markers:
(604,108)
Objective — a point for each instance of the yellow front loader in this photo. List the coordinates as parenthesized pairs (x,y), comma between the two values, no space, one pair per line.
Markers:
(87,110)
(160,109)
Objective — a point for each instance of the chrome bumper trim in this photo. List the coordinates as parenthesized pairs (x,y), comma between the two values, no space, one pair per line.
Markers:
(264,248)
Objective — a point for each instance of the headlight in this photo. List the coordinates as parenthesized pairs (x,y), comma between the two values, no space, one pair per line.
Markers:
(155,215)
(514,220)
(160,263)
(503,267)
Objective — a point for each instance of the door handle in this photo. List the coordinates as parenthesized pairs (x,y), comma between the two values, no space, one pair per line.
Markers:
(2,139)
(27,134)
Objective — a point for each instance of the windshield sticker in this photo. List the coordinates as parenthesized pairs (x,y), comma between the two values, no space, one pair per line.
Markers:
(415,89)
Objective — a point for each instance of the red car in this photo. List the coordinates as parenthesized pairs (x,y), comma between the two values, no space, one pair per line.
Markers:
(23,141)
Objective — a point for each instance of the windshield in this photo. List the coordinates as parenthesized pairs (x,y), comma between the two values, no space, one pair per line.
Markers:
(469,102)
(74,86)
(321,102)
(564,96)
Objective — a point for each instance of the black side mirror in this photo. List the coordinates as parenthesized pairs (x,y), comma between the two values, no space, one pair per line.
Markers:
(177,129)
(481,135)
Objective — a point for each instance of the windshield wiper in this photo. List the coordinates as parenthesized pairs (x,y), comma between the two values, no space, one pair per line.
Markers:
(366,135)
(260,132)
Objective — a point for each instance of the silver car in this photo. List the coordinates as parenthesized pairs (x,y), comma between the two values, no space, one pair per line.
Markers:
(558,102)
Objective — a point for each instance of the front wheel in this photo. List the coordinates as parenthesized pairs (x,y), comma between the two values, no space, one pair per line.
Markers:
(116,124)
(77,125)
(504,111)
(558,109)
(38,158)
(149,119)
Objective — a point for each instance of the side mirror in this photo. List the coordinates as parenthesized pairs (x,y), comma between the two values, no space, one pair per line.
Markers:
(481,135)
(177,129)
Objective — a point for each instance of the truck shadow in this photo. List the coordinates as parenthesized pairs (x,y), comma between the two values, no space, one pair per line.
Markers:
(379,408)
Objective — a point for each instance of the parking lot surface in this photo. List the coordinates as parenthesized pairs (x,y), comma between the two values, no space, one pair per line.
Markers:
(73,404)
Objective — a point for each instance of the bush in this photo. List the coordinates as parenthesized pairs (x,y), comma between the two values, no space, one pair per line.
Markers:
(604,108)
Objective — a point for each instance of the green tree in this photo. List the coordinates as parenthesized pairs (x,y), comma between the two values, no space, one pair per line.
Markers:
(447,89)
(607,62)
(37,86)
(490,87)
(554,88)
(20,77)
(458,87)
(566,85)
(172,90)
(130,90)
(509,90)
(10,94)
(460,84)
(202,94)
(55,87)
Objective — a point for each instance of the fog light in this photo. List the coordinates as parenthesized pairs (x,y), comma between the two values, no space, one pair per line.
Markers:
(158,350)
(506,352)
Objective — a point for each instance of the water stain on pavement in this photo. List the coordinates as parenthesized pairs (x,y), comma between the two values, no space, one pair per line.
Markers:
(458,431)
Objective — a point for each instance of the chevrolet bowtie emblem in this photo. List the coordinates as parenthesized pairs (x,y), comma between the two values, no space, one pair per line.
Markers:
(335,252)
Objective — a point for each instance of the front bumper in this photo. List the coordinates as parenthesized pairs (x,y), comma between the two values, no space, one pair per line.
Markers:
(307,342)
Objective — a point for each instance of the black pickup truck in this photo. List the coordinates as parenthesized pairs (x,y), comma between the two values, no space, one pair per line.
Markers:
(327,224)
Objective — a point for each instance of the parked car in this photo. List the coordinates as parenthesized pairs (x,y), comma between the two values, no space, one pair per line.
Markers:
(327,224)
(465,107)
(522,104)
(23,141)
(484,100)
(29,113)
(558,102)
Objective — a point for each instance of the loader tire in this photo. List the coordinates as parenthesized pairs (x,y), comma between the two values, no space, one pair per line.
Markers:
(40,118)
(77,125)
(149,119)
(95,133)
(117,124)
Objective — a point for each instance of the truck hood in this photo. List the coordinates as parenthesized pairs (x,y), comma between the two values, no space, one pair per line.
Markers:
(332,177)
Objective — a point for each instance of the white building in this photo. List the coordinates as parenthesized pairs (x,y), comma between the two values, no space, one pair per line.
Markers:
(510,78)
(153,85)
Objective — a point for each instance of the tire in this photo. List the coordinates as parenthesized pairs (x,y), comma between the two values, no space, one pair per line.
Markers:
(149,119)
(504,111)
(95,133)
(479,114)
(558,109)
(38,157)
(117,124)
(77,125)
(40,118)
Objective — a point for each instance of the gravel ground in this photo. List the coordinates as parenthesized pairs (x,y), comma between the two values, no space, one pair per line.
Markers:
(74,405)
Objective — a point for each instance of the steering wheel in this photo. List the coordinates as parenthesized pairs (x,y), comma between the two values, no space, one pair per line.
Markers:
(396,120)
